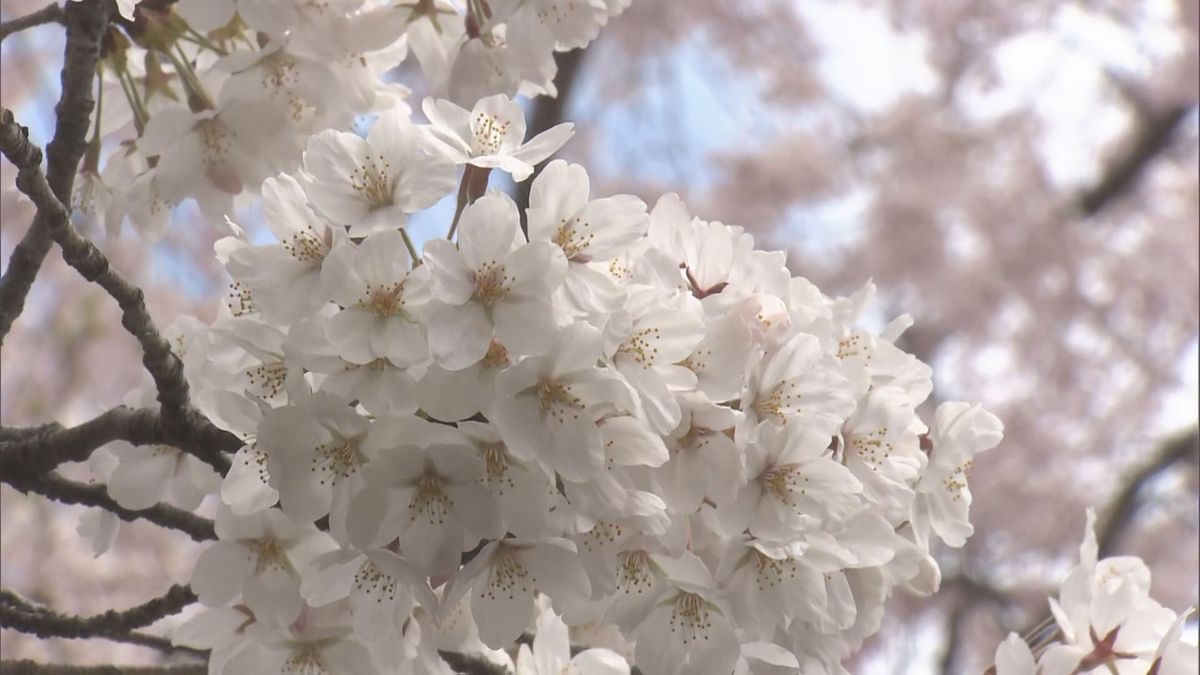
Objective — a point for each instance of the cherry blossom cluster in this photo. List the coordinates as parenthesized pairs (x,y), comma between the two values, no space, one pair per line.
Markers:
(587,421)
(223,94)
(630,416)
(1103,620)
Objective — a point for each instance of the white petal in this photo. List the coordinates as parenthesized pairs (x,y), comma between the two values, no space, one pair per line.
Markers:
(221,571)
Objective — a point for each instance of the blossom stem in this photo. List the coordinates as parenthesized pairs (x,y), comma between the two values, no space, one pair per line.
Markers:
(135,102)
(473,185)
(195,37)
(188,77)
(412,250)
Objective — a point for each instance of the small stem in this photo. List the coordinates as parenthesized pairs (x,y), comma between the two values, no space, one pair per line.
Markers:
(135,104)
(188,76)
(472,186)
(198,38)
(460,205)
(412,250)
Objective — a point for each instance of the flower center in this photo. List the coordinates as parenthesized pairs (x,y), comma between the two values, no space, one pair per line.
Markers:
(305,660)
(495,460)
(690,617)
(784,482)
(385,300)
(306,247)
(695,438)
(507,576)
(270,554)
(214,140)
(372,180)
(769,572)
(573,238)
(491,283)
(279,71)
(496,356)
(558,400)
(267,379)
(337,459)
(640,346)
(489,134)
(871,447)
(371,580)
(633,572)
(430,500)
(779,403)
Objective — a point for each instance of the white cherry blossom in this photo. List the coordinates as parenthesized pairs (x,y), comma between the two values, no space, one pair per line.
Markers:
(491,285)
(372,183)
(491,135)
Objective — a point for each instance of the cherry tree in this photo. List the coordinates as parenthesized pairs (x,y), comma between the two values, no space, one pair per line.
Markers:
(575,434)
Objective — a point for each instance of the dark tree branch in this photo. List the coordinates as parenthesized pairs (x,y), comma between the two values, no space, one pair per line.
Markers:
(1120,514)
(53,486)
(85,26)
(548,112)
(1122,510)
(465,664)
(1151,137)
(189,430)
(54,624)
(41,448)
(44,447)
(18,614)
(32,668)
(51,13)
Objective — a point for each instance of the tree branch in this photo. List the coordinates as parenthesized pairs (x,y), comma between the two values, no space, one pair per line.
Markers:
(1119,515)
(85,26)
(1152,136)
(54,624)
(546,113)
(190,430)
(18,614)
(49,14)
(53,486)
(33,668)
(465,664)
(41,448)
(44,447)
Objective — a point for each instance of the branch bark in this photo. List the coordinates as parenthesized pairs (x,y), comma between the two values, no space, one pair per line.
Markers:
(53,486)
(1120,514)
(85,25)
(44,447)
(61,625)
(1152,136)
(546,113)
(18,614)
(49,14)
(190,430)
(33,668)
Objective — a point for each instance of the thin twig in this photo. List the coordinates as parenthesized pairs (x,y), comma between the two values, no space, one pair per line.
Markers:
(53,486)
(119,626)
(51,13)
(32,668)
(176,598)
(85,26)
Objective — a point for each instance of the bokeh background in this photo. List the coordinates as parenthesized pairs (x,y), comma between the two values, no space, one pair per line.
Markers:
(1021,178)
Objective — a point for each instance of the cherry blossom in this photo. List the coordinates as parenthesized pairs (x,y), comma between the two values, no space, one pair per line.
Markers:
(491,135)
